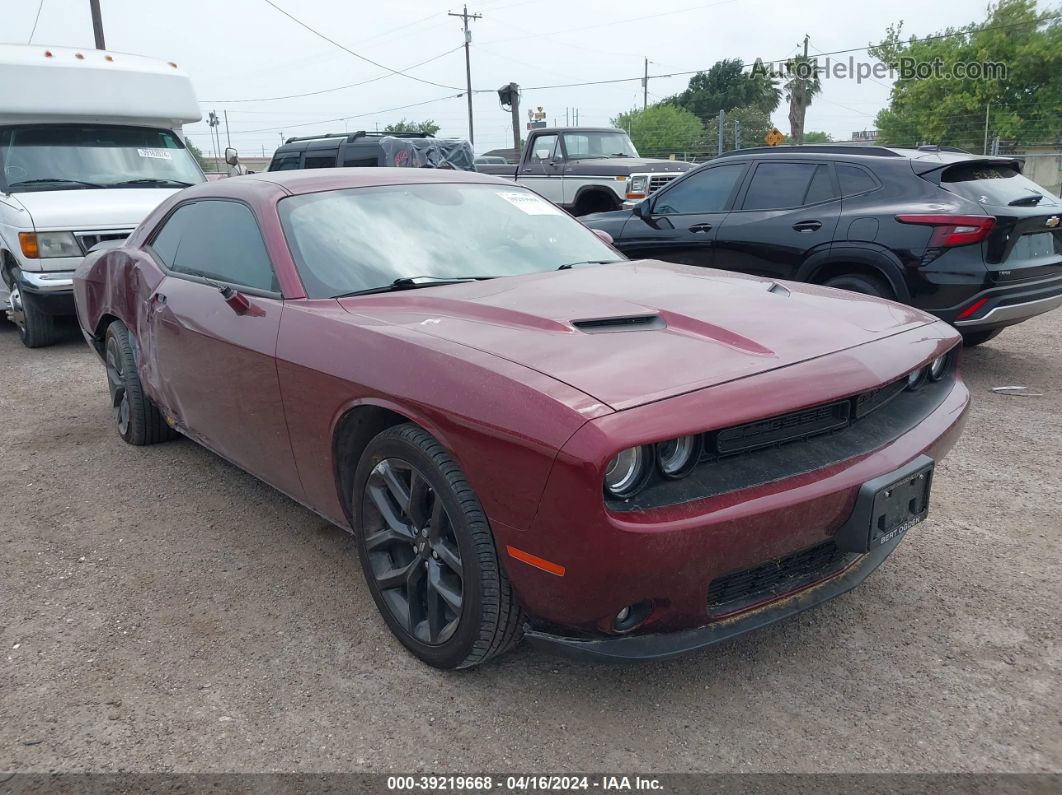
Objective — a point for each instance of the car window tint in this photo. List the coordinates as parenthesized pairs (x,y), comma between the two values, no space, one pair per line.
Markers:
(221,241)
(167,239)
(777,186)
(287,163)
(704,192)
(821,187)
(320,161)
(854,180)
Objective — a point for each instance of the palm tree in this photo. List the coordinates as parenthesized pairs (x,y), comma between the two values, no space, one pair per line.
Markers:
(803,84)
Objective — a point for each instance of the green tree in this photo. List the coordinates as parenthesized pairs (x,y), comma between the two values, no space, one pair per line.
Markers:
(200,158)
(1023,106)
(661,129)
(428,127)
(751,124)
(727,85)
(816,137)
(803,84)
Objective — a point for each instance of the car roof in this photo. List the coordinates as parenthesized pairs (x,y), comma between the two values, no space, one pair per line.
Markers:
(325,179)
(935,155)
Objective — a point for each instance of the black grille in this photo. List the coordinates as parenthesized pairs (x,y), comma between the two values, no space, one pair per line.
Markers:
(785,428)
(775,577)
(631,323)
(657,181)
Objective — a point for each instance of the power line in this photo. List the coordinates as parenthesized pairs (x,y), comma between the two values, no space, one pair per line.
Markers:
(36,19)
(337,88)
(345,49)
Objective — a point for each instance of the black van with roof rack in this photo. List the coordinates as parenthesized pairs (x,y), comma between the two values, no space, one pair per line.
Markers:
(965,237)
(371,150)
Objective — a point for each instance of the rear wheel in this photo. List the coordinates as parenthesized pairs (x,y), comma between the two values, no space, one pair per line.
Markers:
(861,283)
(36,329)
(139,421)
(972,338)
(593,202)
(428,553)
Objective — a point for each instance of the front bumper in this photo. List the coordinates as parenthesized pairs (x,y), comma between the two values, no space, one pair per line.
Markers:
(664,645)
(53,292)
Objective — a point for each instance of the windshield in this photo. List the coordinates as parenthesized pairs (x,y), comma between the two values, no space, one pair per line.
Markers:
(584,145)
(996,185)
(358,239)
(75,156)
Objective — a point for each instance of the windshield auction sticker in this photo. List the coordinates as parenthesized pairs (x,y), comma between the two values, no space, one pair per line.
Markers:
(158,154)
(530,203)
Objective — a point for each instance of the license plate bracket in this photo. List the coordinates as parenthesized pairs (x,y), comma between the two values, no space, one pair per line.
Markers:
(888,506)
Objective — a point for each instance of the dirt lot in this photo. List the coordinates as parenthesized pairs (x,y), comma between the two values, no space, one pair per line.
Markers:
(161,610)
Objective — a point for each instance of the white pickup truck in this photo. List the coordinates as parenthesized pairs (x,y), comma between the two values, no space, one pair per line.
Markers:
(587,169)
(90,143)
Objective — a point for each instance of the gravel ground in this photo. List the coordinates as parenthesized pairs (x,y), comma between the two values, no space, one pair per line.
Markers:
(161,610)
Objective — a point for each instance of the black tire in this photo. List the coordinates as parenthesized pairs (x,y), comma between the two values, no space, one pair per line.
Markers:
(407,550)
(972,338)
(139,421)
(861,283)
(36,329)
(594,202)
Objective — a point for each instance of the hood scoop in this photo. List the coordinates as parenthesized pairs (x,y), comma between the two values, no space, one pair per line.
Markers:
(606,325)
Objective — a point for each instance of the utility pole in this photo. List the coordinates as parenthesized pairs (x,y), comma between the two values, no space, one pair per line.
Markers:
(212,123)
(97,24)
(228,139)
(722,122)
(737,134)
(465,16)
(645,86)
(988,107)
(514,97)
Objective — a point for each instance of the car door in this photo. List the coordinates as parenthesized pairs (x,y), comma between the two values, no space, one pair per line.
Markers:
(215,355)
(787,211)
(679,223)
(543,170)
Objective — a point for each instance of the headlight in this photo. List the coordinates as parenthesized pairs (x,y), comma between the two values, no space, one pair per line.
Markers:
(916,377)
(676,457)
(44,245)
(937,367)
(639,184)
(626,473)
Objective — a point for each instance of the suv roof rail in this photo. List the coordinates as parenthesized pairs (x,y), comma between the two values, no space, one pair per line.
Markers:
(351,137)
(827,149)
(939,148)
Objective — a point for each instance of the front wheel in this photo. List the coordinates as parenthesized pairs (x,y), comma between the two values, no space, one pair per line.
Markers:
(138,419)
(428,553)
(36,328)
(972,338)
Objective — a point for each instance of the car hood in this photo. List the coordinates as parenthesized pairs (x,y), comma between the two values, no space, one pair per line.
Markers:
(615,166)
(634,332)
(77,210)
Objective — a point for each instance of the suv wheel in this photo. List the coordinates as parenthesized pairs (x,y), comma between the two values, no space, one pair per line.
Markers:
(972,338)
(861,283)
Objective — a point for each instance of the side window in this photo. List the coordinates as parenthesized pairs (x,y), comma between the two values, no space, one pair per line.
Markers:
(821,187)
(779,186)
(285,163)
(220,240)
(706,191)
(854,180)
(544,148)
(361,156)
(169,237)
(320,161)
(577,145)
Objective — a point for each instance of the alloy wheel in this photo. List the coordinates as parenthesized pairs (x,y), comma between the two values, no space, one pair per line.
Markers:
(413,552)
(17,314)
(116,385)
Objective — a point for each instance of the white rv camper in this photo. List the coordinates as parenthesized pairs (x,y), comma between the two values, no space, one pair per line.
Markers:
(90,143)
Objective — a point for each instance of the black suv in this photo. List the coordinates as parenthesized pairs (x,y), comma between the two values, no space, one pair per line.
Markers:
(370,150)
(965,237)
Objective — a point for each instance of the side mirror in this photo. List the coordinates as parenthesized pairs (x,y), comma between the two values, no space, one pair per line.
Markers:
(231,156)
(642,209)
(605,236)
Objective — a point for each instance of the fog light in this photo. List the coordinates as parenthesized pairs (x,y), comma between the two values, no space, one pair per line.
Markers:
(631,616)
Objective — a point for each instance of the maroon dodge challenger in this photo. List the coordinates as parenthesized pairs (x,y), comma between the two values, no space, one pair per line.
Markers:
(529,435)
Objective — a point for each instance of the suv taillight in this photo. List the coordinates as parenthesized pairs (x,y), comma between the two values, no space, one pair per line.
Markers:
(953,230)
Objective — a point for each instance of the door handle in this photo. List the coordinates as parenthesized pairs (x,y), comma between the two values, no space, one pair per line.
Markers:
(807,226)
(701,228)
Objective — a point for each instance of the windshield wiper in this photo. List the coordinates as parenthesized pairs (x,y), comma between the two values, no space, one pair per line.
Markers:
(55,180)
(567,266)
(151,181)
(1032,199)
(413,282)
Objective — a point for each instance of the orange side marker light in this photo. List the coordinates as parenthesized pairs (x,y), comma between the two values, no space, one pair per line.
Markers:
(534,560)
